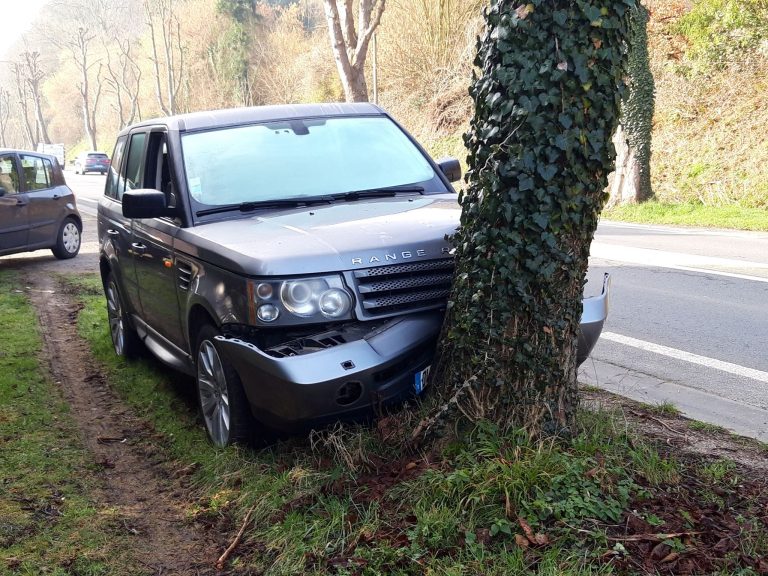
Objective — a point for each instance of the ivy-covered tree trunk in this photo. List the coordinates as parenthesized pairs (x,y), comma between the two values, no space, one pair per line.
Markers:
(631,182)
(546,104)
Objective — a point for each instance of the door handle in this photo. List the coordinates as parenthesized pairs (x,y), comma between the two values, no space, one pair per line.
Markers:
(20,202)
(113,232)
(138,248)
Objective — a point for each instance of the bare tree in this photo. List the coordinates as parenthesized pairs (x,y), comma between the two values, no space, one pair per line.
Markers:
(168,62)
(32,75)
(350,42)
(79,46)
(123,80)
(5,113)
(23,101)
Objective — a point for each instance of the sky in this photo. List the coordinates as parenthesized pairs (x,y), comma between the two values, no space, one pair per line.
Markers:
(15,18)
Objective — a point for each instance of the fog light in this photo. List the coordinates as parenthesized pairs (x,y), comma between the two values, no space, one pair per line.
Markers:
(268,313)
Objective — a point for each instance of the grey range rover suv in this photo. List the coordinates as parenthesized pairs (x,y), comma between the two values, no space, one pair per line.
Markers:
(292,259)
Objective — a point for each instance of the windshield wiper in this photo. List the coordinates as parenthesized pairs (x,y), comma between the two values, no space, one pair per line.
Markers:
(266,205)
(378,192)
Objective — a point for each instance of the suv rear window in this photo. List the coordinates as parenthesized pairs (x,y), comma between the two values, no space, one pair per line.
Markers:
(97,156)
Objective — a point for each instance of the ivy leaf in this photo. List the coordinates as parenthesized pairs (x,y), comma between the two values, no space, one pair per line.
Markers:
(525,183)
(547,171)
(541,220)
(592,13)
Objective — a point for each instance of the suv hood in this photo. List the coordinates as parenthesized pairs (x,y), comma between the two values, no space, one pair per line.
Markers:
(328,238)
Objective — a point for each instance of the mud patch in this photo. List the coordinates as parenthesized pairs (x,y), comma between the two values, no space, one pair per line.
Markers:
(137,490)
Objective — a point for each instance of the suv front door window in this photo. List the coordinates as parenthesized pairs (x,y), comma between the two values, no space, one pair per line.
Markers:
(153,247)
(119,229)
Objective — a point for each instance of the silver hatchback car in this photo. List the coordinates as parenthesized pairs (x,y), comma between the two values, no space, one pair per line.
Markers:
(37,208)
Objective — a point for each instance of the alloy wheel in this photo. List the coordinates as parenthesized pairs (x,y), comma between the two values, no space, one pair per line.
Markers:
(214,394)
(115,316)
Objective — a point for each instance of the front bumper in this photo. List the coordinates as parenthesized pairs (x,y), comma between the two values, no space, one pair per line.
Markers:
(593,314)
(355,376)
(346,379)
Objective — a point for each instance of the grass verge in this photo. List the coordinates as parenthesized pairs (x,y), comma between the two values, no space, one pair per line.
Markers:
(698,215)
(345,501)
(49,522)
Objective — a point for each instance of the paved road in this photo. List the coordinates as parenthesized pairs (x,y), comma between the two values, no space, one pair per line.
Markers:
(688,321)
(88,188)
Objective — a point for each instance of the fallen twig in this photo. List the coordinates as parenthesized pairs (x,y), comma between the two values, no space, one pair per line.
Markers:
(223,558)
(110,440)
(651,537)
(667,426)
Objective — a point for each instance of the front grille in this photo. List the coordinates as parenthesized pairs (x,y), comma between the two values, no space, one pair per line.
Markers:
(403,287)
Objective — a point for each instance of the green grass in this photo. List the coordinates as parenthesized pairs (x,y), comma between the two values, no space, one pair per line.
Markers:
(343,501)
(49,522)
(697,215)
(706,427)
(665,408)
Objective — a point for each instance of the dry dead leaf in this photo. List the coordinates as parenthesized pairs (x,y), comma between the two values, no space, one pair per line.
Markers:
(527,529)
(524,10)
(671,557)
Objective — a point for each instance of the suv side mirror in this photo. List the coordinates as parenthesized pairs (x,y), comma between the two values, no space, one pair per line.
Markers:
(144,203)
(451,168)
(2,191)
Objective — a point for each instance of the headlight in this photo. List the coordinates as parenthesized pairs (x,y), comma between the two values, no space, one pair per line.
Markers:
(301,297)
(284,302)
(334,303)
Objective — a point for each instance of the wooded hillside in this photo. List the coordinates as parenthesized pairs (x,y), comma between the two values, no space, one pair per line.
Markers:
(126,60)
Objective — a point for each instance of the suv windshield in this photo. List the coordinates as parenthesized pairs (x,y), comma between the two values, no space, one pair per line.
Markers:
(300,158)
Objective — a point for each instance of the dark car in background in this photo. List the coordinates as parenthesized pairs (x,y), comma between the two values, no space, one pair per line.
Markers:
(91,162)
(37,208)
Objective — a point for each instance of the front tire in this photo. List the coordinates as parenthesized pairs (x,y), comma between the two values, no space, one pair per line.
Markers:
(68,239)
(220,393)
(125,340)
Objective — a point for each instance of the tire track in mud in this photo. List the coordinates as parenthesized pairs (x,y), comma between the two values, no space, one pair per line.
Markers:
(148,504)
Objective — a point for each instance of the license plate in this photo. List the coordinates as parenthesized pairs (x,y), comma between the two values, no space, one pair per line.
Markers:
(420,380)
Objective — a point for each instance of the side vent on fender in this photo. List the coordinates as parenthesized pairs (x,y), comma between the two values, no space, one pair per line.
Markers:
(185,274)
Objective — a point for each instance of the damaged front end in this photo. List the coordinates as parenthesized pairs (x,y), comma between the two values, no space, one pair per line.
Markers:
(356,366)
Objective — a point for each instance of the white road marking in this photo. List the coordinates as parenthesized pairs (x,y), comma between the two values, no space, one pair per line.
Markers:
(683,230)
(687,357)
(680,261)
